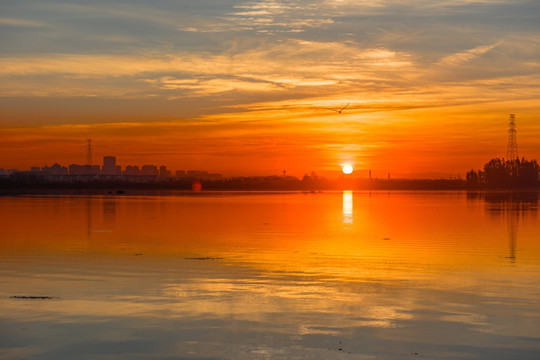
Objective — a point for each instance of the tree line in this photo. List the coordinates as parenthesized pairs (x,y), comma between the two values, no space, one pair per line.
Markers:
(509,174)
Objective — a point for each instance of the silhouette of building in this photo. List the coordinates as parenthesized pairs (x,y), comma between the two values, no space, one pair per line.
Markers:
(163,172)
(75,169)
(56,169)
(110,171)
(149,170)
(132,170)
(110,167)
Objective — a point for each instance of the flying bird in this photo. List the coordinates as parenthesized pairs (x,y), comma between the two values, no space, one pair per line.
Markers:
(340,110)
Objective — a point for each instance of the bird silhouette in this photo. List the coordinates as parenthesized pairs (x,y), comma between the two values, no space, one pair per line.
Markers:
(340,110)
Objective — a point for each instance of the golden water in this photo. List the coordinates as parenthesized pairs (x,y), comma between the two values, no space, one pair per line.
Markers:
(385,275)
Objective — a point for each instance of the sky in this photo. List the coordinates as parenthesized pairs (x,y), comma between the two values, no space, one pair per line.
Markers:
(251,87)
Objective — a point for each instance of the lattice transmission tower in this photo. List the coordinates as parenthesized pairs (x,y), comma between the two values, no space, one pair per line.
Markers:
(512,149)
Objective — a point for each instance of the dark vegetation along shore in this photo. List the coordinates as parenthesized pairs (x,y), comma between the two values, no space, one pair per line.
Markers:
(496,174)
(505,174)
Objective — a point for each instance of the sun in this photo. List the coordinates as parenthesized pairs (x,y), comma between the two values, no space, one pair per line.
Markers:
(347,169)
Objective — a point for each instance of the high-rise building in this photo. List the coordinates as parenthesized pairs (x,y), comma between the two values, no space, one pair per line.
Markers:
(109,166)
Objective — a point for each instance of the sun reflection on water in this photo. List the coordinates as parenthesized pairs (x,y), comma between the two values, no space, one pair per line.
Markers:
(347,206)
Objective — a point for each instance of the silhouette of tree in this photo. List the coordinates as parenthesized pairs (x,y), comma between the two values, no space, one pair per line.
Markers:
(501,173)
(473,178)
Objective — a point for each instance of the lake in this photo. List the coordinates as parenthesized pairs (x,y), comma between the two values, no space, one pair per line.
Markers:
(224,275)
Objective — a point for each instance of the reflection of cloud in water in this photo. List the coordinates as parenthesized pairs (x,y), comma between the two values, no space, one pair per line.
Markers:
(347,207)
(88,218)
(300,287)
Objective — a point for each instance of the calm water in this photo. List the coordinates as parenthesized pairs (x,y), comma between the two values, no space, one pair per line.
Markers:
(271,276)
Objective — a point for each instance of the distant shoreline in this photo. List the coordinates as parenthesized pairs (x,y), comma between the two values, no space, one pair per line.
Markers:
(29,184)
(156,191)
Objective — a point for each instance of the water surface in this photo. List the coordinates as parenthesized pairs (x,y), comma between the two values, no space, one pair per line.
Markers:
(386,275)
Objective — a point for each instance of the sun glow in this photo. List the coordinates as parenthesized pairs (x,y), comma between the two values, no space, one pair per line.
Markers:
(347,169)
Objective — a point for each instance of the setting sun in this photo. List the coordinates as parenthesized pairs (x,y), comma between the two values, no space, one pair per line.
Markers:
(347,169)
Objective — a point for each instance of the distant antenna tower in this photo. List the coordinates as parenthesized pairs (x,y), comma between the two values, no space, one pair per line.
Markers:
(89,157)
(512,150)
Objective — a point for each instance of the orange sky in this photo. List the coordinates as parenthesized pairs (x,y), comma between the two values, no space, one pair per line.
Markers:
(246,88)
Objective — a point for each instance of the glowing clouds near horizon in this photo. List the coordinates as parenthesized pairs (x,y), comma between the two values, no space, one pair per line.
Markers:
(347,169)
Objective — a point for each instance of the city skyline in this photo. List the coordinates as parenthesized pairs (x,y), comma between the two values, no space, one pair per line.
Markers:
(254,87)
(109,167)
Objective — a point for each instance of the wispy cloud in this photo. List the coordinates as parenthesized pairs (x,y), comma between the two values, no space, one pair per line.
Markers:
(21,23)
(269,67)
(467,55)
(272,16)
(212,86)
